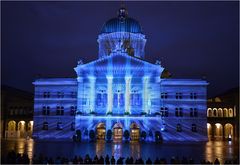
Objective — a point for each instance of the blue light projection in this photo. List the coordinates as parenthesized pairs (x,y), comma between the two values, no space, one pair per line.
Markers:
(120,92)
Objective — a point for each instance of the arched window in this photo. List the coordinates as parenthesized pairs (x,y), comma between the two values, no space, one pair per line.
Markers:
(225,112)
(11,125)
(179,128)
(30,126)
(220,112)
(228,130)
(194,128)
(209,112)
(230,112)
(45,125)
(215,113)
(21,126)
(209,130)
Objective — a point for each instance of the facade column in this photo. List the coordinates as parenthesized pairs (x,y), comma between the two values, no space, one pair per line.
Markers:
(145,81)
(92,93)
(127,94)
(109,94)
(80,95)
(223,132)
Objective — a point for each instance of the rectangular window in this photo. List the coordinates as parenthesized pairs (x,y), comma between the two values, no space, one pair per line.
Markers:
(178,95)
(73,94)
(193,112)
(164,111)
(194,128)
(193,95)
(178,112)
(46,94)
(60,94)
(164,95)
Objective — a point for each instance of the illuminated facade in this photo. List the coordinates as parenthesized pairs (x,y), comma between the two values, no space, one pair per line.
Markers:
(121,92)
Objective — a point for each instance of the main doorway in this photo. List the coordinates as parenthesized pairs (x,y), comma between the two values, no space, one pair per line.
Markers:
(101,131)
(117,132)
(135,132)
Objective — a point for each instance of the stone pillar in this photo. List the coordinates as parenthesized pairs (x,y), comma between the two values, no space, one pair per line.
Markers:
(145,94)
(127,94)
(223,132)
(109,94)
(213,131)
(92,81)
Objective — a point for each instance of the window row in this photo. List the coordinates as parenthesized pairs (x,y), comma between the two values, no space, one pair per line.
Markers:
(178,112)
(59,110)
(20,111)
(220,112)
(59,126)
(179,128)
(58,94)
(179,95)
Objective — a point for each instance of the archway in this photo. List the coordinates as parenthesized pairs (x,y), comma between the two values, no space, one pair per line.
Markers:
(30,126)
(21,128)
(101,131)
(228,130)
(11,125)
(209,130)
(134,132)
(117,131)
(218,131)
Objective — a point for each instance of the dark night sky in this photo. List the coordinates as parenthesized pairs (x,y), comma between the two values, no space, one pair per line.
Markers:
(191,39)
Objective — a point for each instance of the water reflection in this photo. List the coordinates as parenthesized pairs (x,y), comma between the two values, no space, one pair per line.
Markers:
(117,150)
(20,146)
(198,151)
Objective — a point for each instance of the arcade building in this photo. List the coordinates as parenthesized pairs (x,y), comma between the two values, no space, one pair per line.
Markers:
(122,93)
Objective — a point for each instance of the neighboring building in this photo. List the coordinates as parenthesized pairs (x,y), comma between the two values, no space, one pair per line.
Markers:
(16,113)
(120,91)
(223,116)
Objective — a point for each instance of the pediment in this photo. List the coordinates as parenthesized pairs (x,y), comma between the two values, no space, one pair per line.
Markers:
(118,62)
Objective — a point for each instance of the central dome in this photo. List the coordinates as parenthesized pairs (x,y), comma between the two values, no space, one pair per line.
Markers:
(122,24)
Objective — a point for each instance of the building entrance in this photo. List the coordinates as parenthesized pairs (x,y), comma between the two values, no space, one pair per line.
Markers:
(101,131)
(117,132)
(135,132)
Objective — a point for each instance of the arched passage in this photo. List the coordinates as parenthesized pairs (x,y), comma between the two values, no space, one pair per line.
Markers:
(209,130)
(21,128)
(134,132)
(12,125)
(117,131)
(218,131)
(228,131)
(101,131)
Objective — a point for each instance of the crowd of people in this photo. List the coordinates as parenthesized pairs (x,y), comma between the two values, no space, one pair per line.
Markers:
(16,158)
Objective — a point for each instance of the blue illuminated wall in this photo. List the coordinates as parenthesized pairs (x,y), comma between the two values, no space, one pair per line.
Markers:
(120,87)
